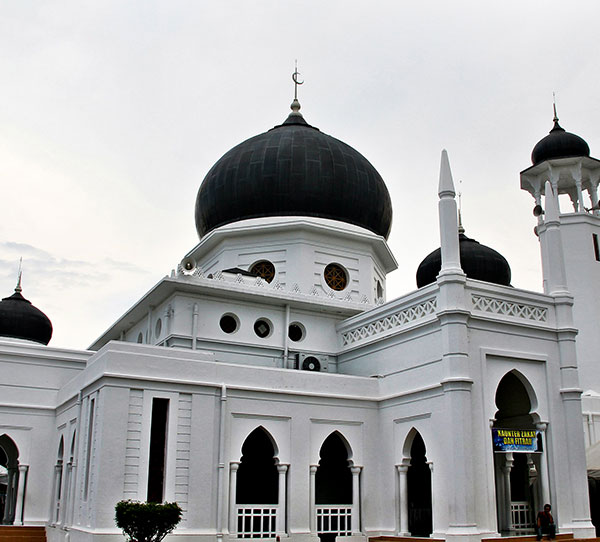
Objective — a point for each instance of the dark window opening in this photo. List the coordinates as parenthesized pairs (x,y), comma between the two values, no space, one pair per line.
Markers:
(262,328)
(295,332)
(418,480)
(158,450)
(264,269)
(333,479)
(596,247)
(257,478)
(228,323)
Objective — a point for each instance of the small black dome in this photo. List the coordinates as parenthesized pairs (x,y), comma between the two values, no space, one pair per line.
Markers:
(559,144)
(294,169)
(477,261)
(19,319)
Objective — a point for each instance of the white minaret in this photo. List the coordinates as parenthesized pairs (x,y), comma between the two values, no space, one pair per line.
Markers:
(569,232)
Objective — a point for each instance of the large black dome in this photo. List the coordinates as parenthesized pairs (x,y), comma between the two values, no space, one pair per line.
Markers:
(294,169)
(559,144)
(19,319)
(476,260)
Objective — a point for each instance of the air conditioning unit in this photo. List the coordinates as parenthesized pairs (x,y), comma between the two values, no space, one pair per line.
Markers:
(312,362)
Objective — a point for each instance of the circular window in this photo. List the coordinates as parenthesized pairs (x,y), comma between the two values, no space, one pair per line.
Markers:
(140,338)
(296,332)
(335,277)
(264,269)
(158,328)
(311,364)
(229,323)
(262,327)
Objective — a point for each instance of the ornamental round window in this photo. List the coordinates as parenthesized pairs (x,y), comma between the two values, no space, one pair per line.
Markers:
(335,277)
(264,269)
(229,323)
(262,327)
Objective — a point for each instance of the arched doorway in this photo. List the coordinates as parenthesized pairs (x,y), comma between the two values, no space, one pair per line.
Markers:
(9,479)
(418,481)
(257,487)
(517,468)
(334,502)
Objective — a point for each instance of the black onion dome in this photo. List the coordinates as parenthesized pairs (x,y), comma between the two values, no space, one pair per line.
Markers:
(294,169)
(477,261)
(559,144)
(19,319)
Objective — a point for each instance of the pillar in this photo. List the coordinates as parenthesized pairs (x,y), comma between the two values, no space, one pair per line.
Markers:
(508,465)
(355,499)
(402,505)
(281,510)
(313,510)
(20,501)
(430,465)
(544,479)
(233,468)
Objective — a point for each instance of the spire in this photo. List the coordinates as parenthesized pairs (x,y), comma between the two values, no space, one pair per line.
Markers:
(557,127)
(461,230)
(295,107)
(448,220)
(18,288)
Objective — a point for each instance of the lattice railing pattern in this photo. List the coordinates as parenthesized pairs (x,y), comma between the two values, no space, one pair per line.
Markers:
(509,308)
(256,521)
(334,519)
(395,320)
(522,518)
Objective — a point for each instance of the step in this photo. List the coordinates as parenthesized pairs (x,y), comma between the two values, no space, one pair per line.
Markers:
(22,533)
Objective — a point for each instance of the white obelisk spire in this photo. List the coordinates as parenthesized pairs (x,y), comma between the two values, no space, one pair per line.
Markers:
(448,220)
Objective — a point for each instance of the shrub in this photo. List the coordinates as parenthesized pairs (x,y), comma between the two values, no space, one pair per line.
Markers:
(146,521)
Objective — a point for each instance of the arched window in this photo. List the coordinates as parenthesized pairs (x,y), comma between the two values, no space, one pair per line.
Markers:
(58,481)
(333,488)
(418,480)
(257,488)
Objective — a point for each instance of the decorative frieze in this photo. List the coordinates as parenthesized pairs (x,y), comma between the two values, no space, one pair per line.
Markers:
(396,320)
(509,308)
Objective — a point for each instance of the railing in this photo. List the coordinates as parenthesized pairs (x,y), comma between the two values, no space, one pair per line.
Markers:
(334,519)
(257,521)
(522,518)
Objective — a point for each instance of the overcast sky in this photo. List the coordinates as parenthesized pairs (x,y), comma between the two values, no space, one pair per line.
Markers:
(112,113)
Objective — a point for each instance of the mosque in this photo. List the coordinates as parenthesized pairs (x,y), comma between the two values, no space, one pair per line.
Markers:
(269,387)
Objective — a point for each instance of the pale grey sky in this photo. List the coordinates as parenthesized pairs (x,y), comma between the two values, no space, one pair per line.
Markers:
(112,112)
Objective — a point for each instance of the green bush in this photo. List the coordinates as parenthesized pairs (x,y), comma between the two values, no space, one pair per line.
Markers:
(146,521)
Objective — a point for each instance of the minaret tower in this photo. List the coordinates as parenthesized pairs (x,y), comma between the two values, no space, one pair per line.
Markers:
(562,160)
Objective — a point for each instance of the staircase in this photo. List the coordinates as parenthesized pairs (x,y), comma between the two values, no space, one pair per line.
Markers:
(17,533)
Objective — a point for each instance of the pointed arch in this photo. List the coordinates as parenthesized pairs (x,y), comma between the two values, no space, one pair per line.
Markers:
(516,401)
(257,478)
(73,444)
(333,482)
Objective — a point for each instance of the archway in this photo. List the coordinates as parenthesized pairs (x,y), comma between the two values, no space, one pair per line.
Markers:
(334,502)
(9,479)
(257,487)
(517,466)
(418,480)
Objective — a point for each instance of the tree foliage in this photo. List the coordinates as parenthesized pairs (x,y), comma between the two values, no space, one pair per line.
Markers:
(147,521)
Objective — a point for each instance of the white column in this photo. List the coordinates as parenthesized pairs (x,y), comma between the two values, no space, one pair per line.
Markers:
(64,509)
(281,510)
(508,465)
(403,499)
(544,480)
(23,469)
(313,511)
(593,191)
(430,464)
(233,468)
(355,499)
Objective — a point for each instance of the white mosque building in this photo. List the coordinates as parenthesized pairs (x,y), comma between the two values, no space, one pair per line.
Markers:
(270,388)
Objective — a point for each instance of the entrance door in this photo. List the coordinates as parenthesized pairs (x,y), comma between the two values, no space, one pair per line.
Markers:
(418,479)
(9,479)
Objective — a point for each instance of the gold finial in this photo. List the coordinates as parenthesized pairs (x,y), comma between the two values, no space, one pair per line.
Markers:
(296,104)
(18,288)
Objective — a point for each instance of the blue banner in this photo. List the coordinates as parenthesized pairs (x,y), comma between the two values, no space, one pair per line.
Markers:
(516,440)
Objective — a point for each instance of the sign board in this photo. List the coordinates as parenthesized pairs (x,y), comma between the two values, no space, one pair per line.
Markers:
(516,440)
